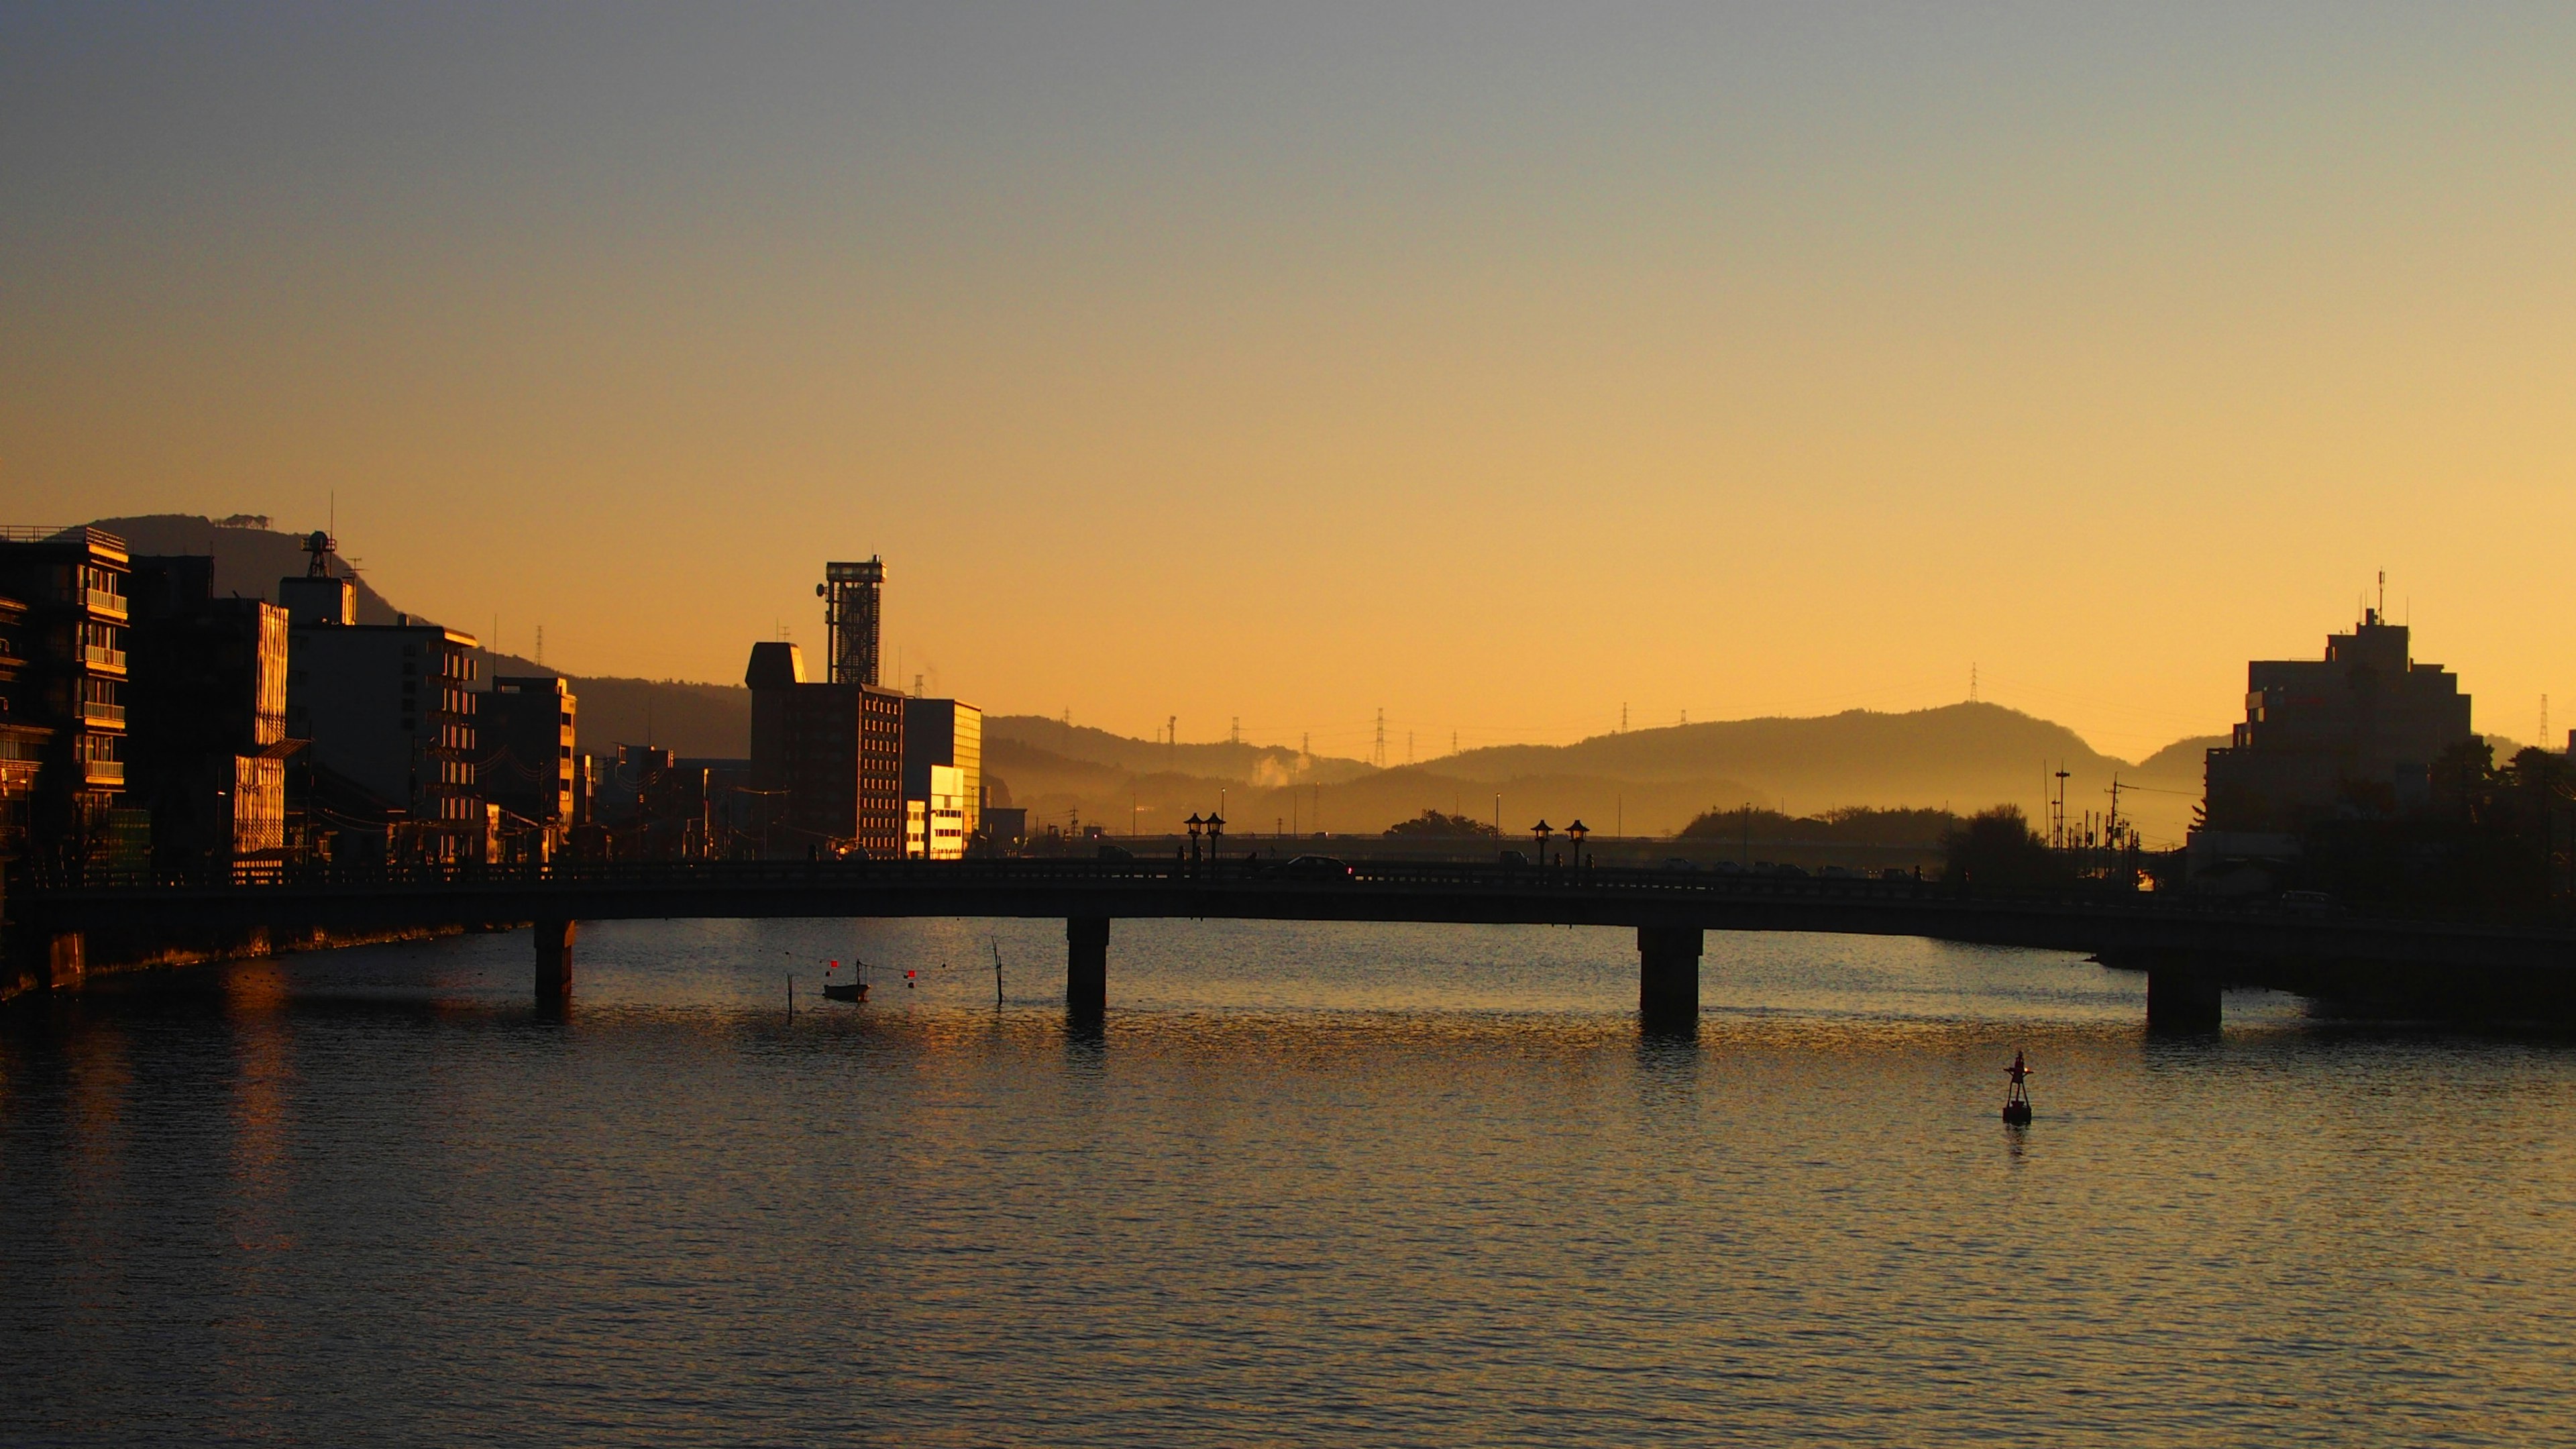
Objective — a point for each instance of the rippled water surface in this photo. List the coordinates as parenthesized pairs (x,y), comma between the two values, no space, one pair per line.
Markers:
(1311,1184)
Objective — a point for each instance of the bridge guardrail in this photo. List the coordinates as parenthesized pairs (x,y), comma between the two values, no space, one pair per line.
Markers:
(1230,874)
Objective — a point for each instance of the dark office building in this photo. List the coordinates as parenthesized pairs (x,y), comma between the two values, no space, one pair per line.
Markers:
(831,755)
(2353,735)
(390,711)
(22,745)
(523,730)
(206,745)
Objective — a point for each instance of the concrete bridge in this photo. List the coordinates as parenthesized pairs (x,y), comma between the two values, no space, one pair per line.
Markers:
(2188,950)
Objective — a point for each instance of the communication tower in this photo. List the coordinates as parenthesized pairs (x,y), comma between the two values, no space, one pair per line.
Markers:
(850,604)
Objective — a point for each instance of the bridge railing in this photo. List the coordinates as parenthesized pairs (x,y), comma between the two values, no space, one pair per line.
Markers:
(99,888)
(967,875)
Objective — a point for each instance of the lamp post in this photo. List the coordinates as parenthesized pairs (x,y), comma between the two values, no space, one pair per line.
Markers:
(1575,833)
(1194,822)
(1541,831)
(1216,836)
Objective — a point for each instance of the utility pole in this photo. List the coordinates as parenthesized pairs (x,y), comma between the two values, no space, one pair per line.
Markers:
(2057,813)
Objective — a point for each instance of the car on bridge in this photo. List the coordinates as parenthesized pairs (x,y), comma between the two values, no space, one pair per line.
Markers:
(1316,868)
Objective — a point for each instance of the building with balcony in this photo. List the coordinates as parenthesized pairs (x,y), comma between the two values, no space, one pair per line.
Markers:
(390,712)
(206,745)
(22,745)
(69,684)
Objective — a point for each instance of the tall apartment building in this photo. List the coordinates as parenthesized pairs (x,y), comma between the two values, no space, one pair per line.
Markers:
(944,733)
(829,755)
(523,730)
(2352,735)
(390,711)
(22,744)
(206,746)
(70,681)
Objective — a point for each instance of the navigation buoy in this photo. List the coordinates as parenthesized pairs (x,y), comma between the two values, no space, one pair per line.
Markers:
(2017,1096)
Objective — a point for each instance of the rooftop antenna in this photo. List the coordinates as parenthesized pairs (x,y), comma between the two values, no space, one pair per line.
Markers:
(319,547)
(2383,596)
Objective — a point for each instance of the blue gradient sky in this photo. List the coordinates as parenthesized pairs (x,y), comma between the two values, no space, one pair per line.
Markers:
(1494,366)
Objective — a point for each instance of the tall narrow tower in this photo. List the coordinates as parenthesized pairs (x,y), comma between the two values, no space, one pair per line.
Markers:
(849,592)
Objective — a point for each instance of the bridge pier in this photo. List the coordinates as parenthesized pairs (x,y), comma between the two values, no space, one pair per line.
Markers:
(1086,965)
(554,958)
(1668,975)
(2181,999)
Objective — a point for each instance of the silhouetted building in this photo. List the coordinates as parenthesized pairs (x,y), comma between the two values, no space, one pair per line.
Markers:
(1006,827)
(947,732)
(22,744)
(70,685)
(390,711)
(2353,736)
(831,754)
(524,731)
(206,743)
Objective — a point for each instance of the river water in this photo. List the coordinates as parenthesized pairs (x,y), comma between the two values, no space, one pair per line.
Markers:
(1374,1185)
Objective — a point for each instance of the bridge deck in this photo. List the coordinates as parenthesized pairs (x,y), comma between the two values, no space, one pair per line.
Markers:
(2117,928)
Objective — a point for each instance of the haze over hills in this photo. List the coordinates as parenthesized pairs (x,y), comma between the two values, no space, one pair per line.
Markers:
(1646,781)
(1962,756)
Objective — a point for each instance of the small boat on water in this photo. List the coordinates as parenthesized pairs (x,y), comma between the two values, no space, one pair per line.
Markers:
(854,989)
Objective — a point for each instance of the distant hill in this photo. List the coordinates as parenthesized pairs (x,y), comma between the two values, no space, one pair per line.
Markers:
(1961,757)
(2182,760)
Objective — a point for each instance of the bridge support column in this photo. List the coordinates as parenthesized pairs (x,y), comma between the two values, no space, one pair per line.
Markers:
(554,957)
(1086,965)
(2181,999)
(1668,975)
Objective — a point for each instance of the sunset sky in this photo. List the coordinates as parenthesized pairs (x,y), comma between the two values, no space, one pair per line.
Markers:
(1495,366)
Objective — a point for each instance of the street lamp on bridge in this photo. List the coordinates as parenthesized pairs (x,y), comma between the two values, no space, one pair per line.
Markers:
(1540,832)
(1575,833)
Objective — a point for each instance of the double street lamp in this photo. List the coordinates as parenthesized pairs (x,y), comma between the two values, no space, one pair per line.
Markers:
(1214,827)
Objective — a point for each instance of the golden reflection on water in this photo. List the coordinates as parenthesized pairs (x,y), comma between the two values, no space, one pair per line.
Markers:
(447,1217)
(256,998)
